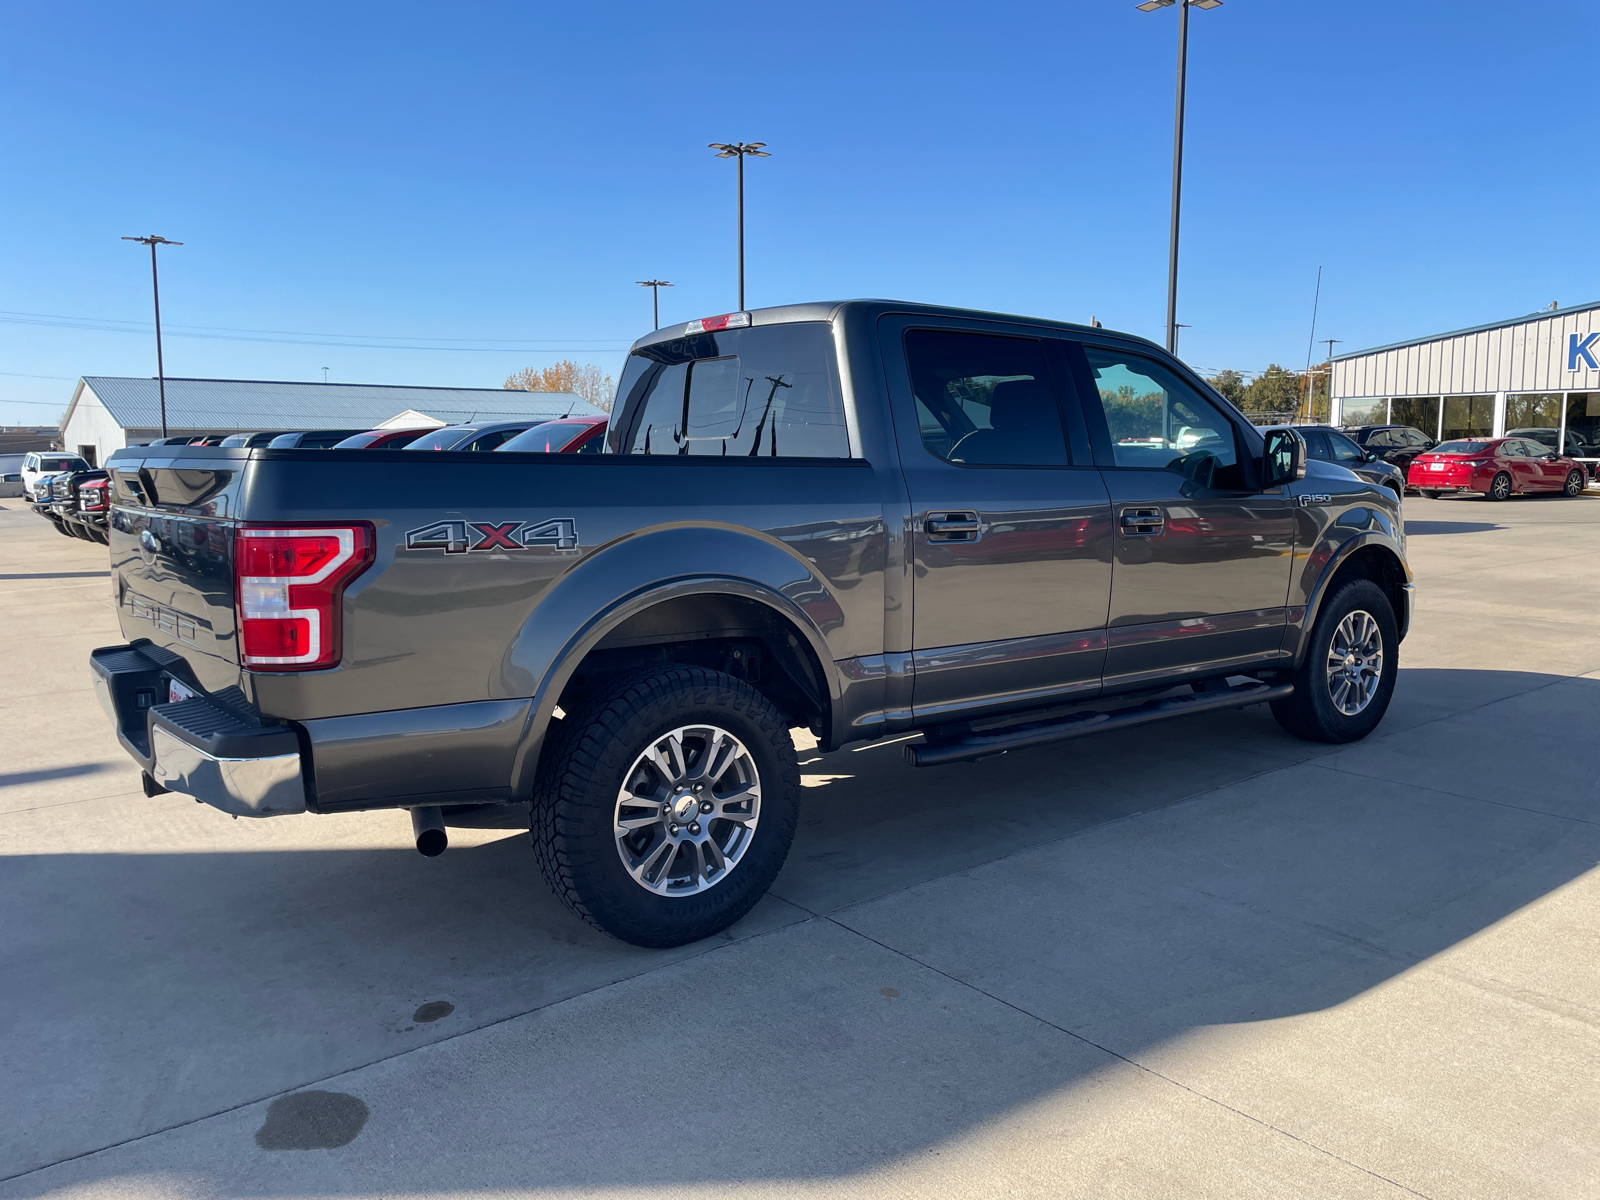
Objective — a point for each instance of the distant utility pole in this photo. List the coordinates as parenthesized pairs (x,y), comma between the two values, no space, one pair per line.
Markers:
(1175,328)
(324,374)
(1331,343)
(740,150)
(155,285)
(1311,345)
(655,286)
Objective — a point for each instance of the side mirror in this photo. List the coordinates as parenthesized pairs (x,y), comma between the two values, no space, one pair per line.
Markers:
(1368,456)
(1285,458)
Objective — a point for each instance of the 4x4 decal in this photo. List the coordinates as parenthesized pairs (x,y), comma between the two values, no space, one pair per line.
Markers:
(460,537)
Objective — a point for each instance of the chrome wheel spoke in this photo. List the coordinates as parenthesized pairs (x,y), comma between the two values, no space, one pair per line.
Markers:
(684,771)
(1355,662)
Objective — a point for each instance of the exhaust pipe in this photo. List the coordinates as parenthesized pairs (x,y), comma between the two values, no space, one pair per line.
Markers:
(428,826)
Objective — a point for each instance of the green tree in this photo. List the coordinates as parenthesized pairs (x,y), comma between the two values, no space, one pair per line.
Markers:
(1232,386)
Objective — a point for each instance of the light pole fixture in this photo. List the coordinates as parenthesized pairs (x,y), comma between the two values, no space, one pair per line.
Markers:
(741,151)
(655,286)
(1177,152)
(155,286)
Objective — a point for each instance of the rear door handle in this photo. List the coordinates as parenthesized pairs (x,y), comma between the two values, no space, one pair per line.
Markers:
(953,527)
(1142,522)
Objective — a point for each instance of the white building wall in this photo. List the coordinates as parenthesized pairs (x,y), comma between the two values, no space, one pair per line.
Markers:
(1527,357)
(91,425)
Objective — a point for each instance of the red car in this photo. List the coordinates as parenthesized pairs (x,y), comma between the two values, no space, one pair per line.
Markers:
(569,435)
(1497,467)
(380,439)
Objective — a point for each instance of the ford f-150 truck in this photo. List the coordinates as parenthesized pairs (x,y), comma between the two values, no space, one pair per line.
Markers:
(865,518)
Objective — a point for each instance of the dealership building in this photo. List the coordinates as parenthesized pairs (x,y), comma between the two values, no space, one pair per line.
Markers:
(1541,371)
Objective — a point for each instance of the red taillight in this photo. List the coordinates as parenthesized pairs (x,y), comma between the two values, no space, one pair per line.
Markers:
(736,320)
(288,583)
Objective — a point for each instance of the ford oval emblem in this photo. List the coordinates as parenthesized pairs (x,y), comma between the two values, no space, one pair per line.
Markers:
(149,546)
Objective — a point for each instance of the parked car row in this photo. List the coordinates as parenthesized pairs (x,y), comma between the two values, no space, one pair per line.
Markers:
(72,495)
(1497,468)
(1402,445)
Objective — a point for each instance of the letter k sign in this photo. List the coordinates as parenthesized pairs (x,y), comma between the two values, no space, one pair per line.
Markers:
(1577,350)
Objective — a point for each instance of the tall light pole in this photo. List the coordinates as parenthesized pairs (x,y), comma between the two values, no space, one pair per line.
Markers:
(655,286)
(741,151)
(1332,342)
(155,286)
(1177,152)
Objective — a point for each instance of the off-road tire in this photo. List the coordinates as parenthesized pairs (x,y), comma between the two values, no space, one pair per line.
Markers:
(1574,485)
(1310,713)
(583,766)
(1499,488)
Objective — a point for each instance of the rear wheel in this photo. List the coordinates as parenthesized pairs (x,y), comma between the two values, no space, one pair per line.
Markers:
(1574,484)
(1499,487)
(665,807)
(1344,683)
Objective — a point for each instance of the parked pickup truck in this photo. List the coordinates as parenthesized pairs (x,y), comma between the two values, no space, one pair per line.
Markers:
(865,518)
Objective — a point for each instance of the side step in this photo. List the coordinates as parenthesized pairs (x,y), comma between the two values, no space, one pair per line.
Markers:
(1020,737)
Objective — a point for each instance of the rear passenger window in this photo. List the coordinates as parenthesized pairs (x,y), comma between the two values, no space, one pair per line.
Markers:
(984,400)
(764,392)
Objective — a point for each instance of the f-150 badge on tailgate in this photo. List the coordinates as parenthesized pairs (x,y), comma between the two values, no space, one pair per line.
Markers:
(459,537)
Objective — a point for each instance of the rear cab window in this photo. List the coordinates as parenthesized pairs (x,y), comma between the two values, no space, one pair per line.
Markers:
(765,392)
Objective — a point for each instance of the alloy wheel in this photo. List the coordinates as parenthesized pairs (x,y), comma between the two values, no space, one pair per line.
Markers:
(1355,662)
(687,810)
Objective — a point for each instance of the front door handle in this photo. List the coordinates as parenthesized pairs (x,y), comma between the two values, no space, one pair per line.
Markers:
(1142,522)
(953,527)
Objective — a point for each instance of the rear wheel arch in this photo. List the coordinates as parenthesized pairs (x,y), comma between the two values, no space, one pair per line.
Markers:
(707,621)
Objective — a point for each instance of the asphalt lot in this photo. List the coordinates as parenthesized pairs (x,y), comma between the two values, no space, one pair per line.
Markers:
(1197,960)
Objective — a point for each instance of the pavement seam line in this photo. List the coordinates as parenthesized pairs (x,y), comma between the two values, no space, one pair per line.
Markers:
(383,1058)
(1151,1071)
(1423,787)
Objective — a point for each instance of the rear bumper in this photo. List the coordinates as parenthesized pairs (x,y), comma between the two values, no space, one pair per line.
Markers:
(198,747)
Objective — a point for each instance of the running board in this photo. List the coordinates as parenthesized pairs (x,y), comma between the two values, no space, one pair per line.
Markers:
(1021,737)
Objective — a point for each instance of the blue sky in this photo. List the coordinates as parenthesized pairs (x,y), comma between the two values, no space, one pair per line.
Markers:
(495,177)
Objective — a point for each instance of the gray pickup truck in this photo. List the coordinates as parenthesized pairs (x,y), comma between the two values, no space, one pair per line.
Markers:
(865,518)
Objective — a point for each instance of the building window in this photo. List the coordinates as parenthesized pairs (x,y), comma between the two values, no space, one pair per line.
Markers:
(1540,410)
(1583,421)
(1419,412)
(1363,412)
(1467,416)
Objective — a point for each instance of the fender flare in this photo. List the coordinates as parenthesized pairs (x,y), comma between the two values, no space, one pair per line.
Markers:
(565,663)
(1302,620)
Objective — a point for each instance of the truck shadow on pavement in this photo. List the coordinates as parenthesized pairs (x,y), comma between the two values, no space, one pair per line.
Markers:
(945,949)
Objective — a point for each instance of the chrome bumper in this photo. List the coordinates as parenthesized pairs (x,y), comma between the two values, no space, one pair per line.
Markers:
(196,747)
(245,787)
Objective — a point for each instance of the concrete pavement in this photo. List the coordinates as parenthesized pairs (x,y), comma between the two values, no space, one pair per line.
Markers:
(1199,959)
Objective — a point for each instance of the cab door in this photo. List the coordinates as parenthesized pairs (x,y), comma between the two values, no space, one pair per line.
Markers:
(1201,574)
(1011,523)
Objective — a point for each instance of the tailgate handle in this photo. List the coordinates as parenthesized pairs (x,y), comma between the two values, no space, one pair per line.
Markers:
(953,527)
(1142,522)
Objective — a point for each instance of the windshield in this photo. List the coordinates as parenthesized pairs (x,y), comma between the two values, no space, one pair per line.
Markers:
(550,438)
(1462,447)
(67,462)
(442,439)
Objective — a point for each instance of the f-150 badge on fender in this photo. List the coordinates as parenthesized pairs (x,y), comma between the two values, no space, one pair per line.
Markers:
(460,537)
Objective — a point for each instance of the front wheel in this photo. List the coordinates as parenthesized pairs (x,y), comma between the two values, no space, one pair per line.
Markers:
(1499,487)
(1344,682)
(1574,485)
(665,807)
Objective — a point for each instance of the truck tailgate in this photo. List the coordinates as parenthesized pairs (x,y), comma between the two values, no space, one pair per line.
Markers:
(171,538)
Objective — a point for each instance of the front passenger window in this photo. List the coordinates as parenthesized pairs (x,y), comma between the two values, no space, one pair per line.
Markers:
(1158,421)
